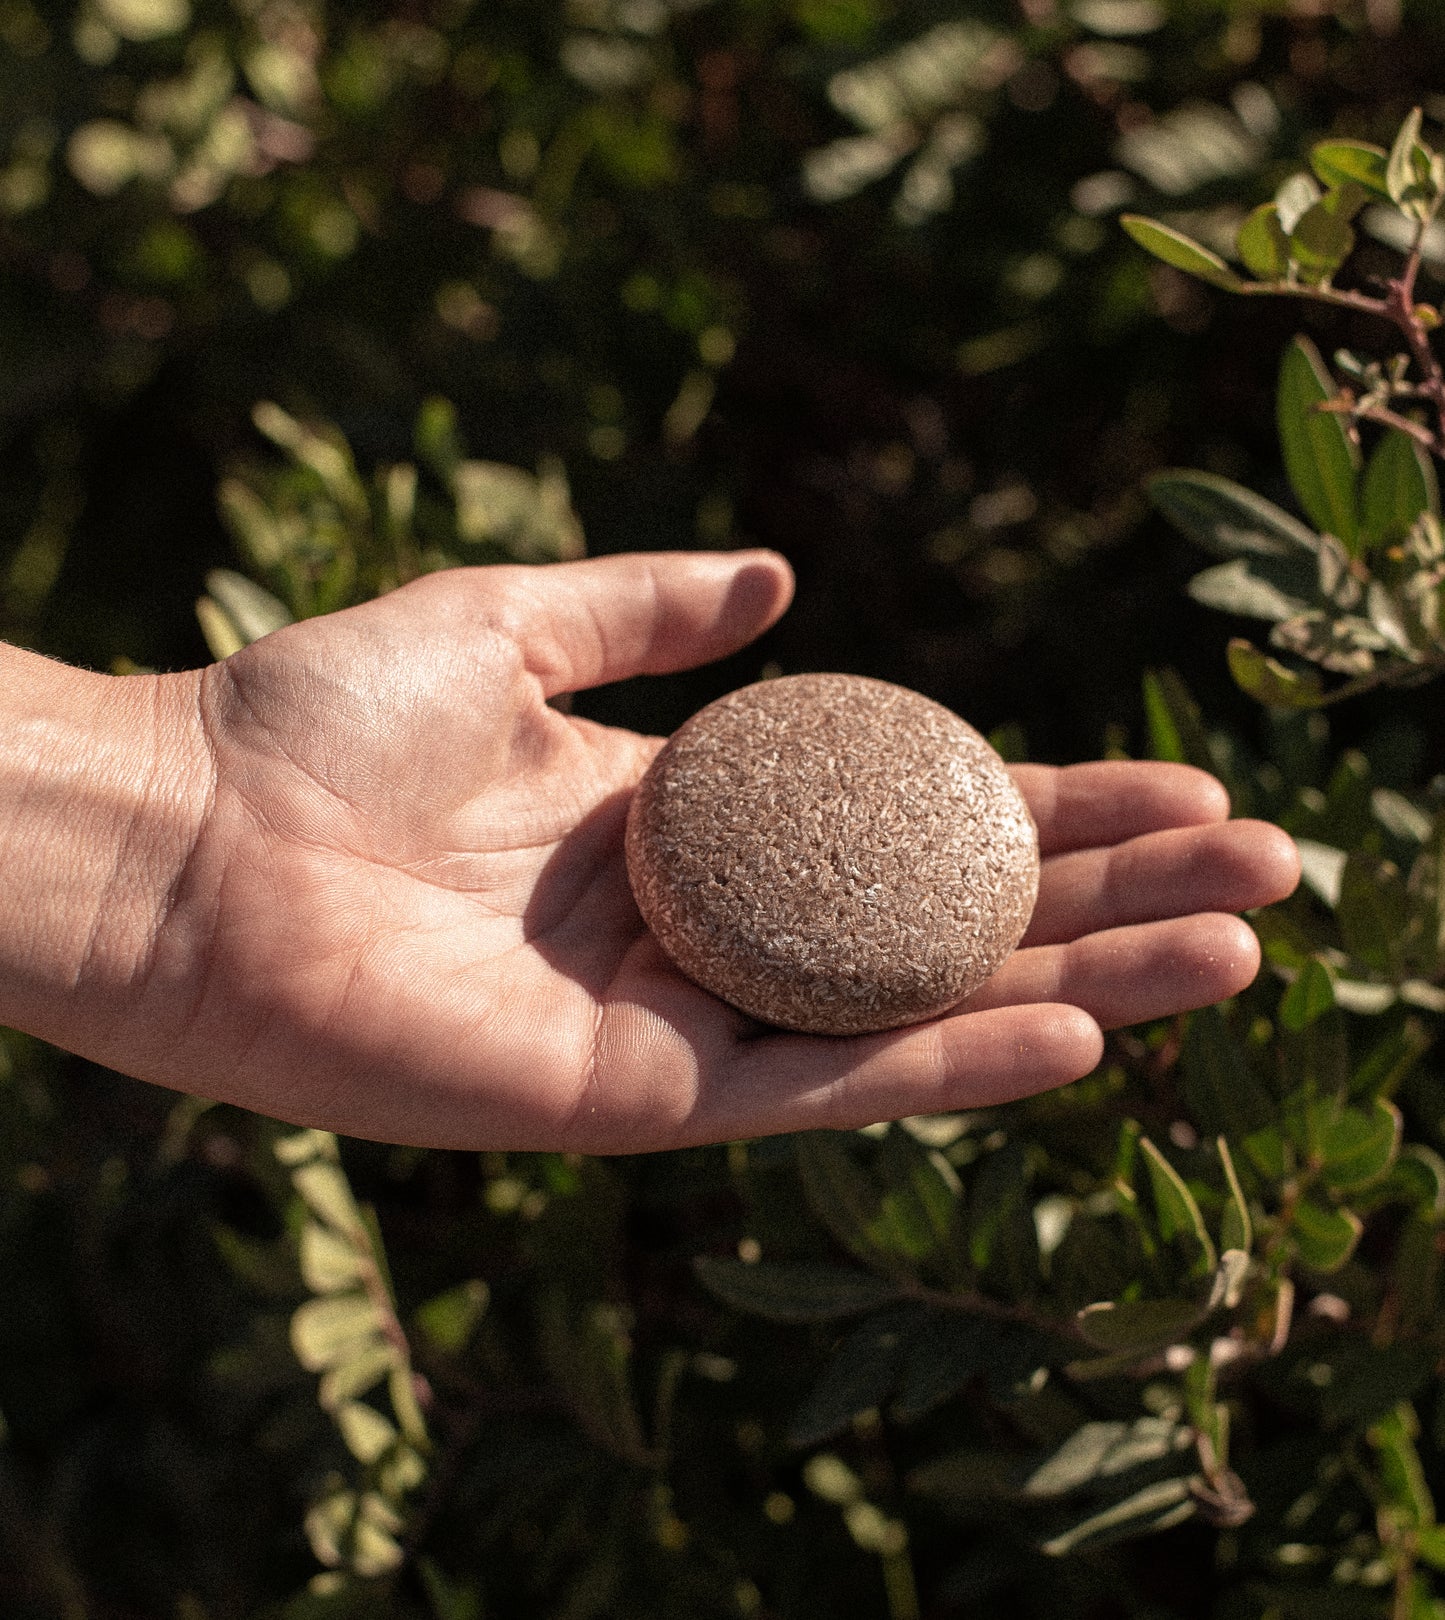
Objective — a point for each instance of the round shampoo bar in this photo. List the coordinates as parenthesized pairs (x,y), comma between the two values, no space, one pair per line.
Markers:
(832,854)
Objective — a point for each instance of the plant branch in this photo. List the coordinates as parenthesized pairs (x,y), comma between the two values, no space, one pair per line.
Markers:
(1340,297)
(1347,405)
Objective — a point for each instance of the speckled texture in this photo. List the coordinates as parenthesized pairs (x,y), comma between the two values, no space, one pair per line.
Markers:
(832,854)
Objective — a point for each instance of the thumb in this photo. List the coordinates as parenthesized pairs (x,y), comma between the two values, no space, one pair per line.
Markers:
(582,624)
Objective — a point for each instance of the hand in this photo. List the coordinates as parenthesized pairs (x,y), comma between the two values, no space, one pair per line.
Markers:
(403,911)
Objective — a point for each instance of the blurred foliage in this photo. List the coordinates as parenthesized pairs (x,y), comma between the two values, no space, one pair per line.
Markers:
(298,303)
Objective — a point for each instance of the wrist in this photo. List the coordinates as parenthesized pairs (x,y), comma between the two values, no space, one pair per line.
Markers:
(103,786)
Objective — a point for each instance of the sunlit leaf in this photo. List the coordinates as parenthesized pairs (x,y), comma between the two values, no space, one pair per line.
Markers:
(1176,249)
(329,1262)
(366,1432)
(360,1371)
(1337,162)
(375,1549)
(1233,587)
(1263,245)
(254,612)
(1106,1450)
(1268,681)
(325,1332)
(1408,172)
(1229,519)
(1236,1229)
(1156,1507)
(1175,1207)
(327,1193)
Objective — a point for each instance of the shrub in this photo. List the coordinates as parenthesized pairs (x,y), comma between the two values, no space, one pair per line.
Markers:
(1165,1343)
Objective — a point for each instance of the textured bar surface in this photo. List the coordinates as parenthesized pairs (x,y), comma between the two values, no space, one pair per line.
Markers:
(832,854)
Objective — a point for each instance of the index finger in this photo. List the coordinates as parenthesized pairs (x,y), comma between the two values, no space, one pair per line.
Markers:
(1108,800)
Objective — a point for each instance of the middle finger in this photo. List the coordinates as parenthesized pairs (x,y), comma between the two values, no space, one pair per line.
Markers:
(1231,866)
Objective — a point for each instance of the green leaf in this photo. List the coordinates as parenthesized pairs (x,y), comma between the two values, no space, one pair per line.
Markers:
(1224,1096)
(366,1433)
(1175,1207)
(1165,743)
(849,1203)
(1236,1229)
(329,1262)
(328,1331)
(1234,587)
(438,443)
(1418,1177)
(1359,1147)
(1003,1237)
(1311,994)
(1263,245)
(920,1207)
(1323,238)
(1325,1238)
(1176,249)
(1314,1072)
(1270,682)
(1174,720)
(586,1349)
(449,1599)
(1372,911)
(1399,169)
(857,1379)
(359,1372)
(1319,456)
(1156,1507)
(327,1193)
(449,1320)
(792,1293)
(1415,1274)
(1369,1379)
(1399,485)
(1229,519)
(1105,1453)
(1337,162)
(1140,1324)
(375,1550)
(1393,1438)
(1430,1545)
(1408,172)
(253,611)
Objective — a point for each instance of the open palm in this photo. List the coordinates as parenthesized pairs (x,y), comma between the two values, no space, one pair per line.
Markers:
(406,914)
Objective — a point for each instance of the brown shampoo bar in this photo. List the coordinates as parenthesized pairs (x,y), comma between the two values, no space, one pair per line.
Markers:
(832,854)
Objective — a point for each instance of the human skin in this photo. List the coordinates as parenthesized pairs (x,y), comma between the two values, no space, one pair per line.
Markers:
(362,875)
